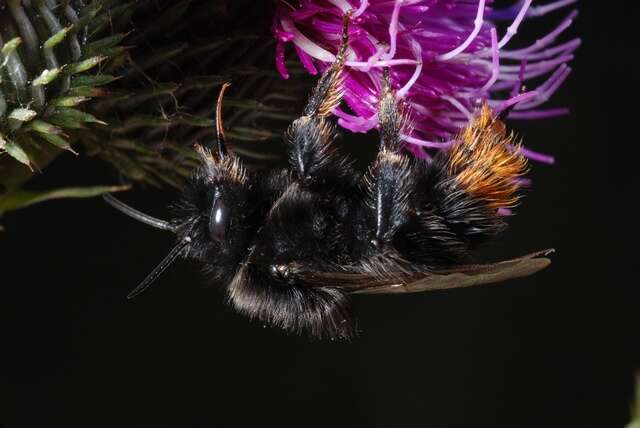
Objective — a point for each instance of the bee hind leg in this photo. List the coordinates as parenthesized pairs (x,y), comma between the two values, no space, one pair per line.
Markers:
(392,180)
(391,118)
(397,189)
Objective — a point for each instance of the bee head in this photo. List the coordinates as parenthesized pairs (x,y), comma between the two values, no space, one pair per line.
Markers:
(212,221)
(217,211)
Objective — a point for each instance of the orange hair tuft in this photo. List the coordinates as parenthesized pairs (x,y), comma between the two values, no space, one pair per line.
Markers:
(487,161)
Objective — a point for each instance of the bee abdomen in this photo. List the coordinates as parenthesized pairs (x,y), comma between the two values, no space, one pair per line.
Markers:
(318,312)
(487,162)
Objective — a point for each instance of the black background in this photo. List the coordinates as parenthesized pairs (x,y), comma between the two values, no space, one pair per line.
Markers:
(557,349)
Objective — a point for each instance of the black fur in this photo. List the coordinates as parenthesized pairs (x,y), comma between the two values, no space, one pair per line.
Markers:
(288,246)
(469,218)
(321,215)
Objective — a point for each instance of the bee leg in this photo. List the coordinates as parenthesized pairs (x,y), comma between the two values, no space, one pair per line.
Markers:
(396,196)
(221,143)
(392,180)
(327,93)
(311,154)
(391,119)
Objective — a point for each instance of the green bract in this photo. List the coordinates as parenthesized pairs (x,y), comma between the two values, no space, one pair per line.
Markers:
(134,83)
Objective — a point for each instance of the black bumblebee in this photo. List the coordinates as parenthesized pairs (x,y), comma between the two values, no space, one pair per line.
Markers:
(290,246)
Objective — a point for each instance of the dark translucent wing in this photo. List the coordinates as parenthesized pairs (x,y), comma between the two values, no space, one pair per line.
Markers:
(434,279)
(466,276)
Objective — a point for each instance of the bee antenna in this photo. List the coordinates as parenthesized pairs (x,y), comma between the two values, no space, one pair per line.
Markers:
(181,248)
(137,215)
(222,148)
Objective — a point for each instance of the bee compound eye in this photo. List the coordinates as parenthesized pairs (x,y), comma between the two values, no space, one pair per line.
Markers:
(219,218)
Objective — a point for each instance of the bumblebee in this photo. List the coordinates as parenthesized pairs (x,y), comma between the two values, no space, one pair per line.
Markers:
(291,246)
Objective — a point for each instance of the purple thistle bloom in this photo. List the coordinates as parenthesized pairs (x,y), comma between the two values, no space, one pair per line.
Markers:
(445,58)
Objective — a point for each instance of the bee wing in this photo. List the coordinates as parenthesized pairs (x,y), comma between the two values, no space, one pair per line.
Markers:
(403,281)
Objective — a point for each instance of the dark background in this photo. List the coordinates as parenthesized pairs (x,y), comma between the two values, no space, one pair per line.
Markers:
(558,349)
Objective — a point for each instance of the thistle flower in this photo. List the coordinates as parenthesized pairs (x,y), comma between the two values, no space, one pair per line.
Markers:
(134,84)
(446,58)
